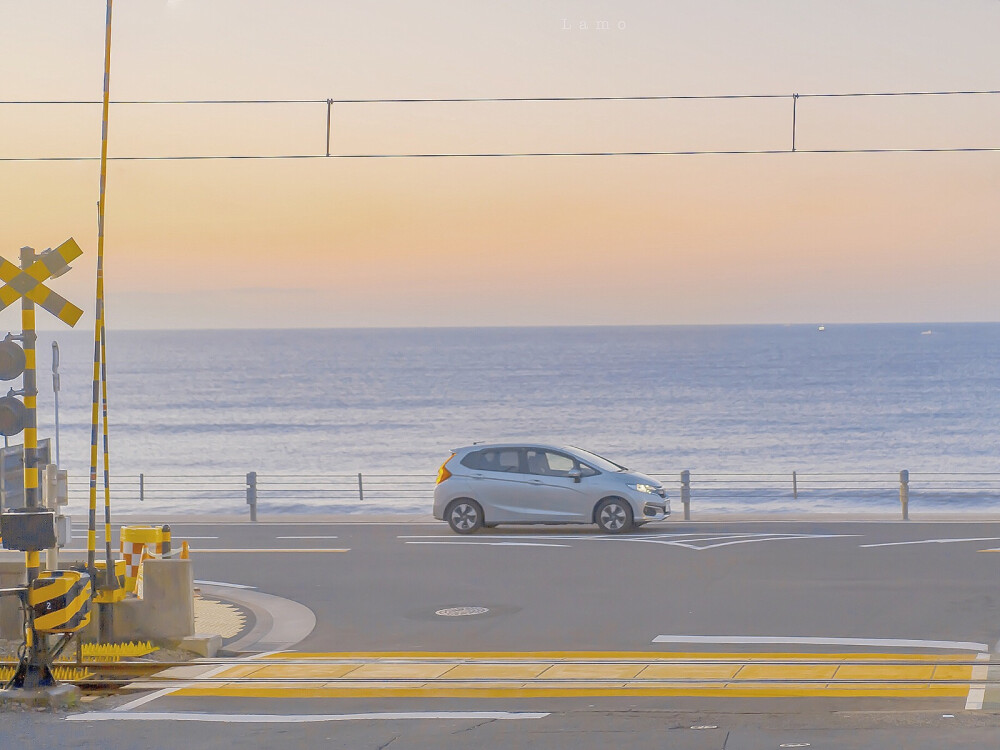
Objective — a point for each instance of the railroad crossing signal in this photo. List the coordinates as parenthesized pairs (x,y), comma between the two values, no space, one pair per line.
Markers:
(25,283)
(28,283)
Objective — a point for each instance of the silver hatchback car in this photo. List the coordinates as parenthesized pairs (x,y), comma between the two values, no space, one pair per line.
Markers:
(486,485)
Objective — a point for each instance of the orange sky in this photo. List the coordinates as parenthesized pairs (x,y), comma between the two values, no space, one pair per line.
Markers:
(525,241)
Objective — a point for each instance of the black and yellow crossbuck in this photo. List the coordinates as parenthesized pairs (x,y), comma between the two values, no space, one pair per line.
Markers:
(28,283)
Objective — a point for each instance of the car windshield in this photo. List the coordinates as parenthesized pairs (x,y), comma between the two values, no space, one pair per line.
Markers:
(598,461)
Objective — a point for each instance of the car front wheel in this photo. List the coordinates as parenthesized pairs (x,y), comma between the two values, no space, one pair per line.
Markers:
(464,516)
(613,515)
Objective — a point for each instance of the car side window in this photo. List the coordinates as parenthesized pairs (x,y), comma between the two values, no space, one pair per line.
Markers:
(473,460)
(552,464)
(509,460)
(493,459)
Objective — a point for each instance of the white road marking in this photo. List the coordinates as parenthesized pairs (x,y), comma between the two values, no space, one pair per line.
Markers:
(234,550)
(499,544)
(174,538)
(934,541)
(977,690)
(243,550)
(227,585)
(305,537)
(497,536)
(305,718)
(738,539)
(669,539)
(808,641)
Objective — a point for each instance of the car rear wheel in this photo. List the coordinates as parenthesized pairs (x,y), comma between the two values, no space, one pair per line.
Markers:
(613,515)
(464,516)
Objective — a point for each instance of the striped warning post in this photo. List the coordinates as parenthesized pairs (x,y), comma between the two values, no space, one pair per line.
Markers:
(135,542)
(60,601)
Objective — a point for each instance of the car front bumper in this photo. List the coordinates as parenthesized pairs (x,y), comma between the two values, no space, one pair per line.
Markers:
(655,509)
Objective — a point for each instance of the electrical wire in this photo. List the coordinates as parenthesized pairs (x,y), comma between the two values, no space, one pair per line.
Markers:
(521,154)
(513,154)
(464,100)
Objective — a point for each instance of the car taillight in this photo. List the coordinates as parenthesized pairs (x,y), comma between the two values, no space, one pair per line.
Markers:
(443,473)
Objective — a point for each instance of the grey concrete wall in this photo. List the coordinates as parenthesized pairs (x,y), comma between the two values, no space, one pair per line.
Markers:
(11,574)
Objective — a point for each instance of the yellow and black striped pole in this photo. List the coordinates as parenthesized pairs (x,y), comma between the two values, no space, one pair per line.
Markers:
(100,371)
(37,645)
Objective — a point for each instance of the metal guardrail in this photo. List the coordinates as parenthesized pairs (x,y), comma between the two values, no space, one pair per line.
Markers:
(284,493)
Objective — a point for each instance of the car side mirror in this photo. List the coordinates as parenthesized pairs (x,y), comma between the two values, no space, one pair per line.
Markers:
(574,474)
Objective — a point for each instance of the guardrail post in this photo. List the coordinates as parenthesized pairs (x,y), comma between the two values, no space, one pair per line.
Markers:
(904,493)
(142,488)
(795,486)
(252,494)
(686,493)
(361,489)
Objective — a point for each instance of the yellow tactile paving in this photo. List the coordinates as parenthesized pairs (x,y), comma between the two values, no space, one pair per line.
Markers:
(963,673)
(884,672)
(690,671)
(788,671)
(279,686)
(610,685)
(299,671)
(555,674)
(212,616)
(242,671)
(496,671)
(592,671)
(400,671)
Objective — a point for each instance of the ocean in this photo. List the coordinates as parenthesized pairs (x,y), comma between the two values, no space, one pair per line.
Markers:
(852,400)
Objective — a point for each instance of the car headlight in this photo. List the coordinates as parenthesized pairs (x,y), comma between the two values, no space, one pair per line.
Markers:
(647,488)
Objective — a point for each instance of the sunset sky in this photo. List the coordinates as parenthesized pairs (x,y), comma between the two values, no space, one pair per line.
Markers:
(787,238)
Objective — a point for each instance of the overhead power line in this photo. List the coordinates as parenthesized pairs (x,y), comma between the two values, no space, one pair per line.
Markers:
(463,100)
(511,154)
(329,103)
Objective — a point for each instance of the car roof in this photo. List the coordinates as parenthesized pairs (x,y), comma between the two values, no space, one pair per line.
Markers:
(489,446)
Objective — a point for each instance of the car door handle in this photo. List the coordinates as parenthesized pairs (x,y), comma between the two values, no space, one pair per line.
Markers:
(536,481)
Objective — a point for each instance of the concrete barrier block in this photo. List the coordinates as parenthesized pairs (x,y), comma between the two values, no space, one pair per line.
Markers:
(166,611)
(203,644)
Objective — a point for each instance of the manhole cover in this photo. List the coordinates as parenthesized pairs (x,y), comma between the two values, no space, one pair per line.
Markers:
(461,611)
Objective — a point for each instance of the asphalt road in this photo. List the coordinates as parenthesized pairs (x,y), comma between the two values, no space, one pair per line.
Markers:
(912,590)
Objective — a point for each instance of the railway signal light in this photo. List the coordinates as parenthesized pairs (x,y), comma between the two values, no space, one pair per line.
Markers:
(13,413)
(12,359)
